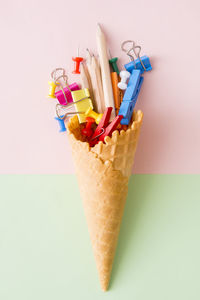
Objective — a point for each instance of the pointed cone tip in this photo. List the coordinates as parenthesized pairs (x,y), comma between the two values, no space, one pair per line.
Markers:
(104,282)
(104,287)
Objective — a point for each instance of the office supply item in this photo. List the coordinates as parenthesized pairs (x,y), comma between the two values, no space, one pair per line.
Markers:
(124,127)
(128,49)
(64,78)
(82,102)
(61,123)
(57,72)
(101,126)
(105,70)
(63,108)
(116,91)
(140,63)
(52,88)
(97,85)
(84,76)
(130,96)
(58,81)
(90,113)
(110,128)
(65,93)
(132,85)
(103,129)
(54,83)
(113,63)
(68,107)
(77,60)
(124,77)
(121,93)
(95,75)
(86,82)
(87,131)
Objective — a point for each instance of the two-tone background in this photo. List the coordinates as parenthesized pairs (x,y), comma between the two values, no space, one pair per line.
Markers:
(45,252)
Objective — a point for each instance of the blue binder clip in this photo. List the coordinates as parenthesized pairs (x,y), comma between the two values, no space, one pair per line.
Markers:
(61,123)
(130,96)
(140,63)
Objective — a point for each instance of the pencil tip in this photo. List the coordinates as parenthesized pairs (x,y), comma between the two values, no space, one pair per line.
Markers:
(88,51)
(99,28)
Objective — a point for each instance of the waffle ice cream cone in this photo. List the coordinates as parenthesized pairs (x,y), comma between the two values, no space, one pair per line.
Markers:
(103,173)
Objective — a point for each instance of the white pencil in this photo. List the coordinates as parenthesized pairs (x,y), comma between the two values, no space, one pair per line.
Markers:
(85,79)
(94,71)
(105,70)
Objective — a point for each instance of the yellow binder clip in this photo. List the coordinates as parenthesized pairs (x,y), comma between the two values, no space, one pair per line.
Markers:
(82,103)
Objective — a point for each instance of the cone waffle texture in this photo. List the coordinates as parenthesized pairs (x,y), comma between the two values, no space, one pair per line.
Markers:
(103,173)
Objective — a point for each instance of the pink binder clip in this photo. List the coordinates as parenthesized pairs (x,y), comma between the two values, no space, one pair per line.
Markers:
(67,90)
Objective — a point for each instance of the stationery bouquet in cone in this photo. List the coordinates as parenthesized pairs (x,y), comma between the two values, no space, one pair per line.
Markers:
(103,132)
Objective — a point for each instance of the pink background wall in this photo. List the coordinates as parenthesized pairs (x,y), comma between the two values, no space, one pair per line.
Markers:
(38,36)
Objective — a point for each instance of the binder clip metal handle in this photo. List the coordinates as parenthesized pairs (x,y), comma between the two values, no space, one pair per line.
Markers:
(54,83)
(66,107)
(65,78)
(142,63)
(136,53)
(128,51)
(62,116)
(54,74)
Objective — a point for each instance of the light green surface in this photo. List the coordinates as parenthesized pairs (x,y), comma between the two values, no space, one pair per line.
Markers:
(45,252)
